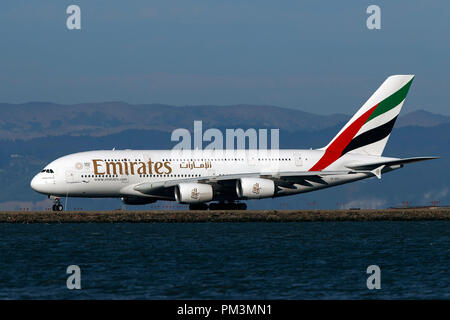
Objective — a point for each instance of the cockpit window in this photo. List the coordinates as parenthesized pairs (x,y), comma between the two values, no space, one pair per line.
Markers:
(47,171)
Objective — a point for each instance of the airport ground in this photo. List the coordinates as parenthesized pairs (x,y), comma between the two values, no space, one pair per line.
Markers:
(401,214)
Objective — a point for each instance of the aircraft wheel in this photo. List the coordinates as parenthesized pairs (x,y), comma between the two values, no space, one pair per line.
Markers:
(59,207)
(53,207)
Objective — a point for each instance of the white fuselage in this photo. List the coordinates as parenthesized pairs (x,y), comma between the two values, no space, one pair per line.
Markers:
(116,173)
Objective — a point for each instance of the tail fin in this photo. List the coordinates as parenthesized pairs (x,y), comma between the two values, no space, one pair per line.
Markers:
(368,130)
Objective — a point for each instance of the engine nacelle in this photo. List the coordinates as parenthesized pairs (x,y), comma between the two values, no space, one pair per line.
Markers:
(255,188)
(137,200)
(193,192)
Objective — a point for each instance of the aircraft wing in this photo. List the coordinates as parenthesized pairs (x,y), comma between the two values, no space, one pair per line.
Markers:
(149,187)
(373,165)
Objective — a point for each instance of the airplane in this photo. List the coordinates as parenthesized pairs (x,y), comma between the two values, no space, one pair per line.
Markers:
(223,179)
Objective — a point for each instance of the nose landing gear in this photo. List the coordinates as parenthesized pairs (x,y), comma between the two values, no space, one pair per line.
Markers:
(57,206)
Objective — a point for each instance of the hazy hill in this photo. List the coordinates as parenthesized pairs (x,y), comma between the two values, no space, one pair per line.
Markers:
(38,119)
(421,118)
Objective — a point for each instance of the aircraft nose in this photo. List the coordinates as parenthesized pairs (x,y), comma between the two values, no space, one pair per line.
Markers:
(36,184)
(33,183)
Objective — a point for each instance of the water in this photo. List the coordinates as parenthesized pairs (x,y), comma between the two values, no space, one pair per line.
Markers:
(226,260)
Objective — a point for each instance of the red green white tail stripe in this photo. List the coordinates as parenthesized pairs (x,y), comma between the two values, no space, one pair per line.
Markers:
(368,130)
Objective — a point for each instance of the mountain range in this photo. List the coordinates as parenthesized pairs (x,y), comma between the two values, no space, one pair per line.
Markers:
(40,119)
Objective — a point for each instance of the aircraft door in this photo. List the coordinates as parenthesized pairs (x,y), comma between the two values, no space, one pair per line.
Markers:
(211,172)
(298,159)
(252,157)
(72,176)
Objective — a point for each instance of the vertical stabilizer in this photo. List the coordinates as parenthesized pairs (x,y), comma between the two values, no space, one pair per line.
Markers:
(368,130)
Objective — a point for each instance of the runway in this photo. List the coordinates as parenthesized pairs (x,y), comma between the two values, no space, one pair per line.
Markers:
(154,216)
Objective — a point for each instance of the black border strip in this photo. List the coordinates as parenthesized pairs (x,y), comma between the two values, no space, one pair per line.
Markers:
(371,136)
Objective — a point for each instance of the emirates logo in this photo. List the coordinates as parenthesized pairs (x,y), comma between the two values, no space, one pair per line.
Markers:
(195,194)
(256,188)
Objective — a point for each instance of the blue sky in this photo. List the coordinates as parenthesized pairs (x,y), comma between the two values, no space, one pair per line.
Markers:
(316,56)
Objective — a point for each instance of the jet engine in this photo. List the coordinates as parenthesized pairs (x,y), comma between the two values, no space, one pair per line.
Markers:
(255,188)
(193,192)
(137,200)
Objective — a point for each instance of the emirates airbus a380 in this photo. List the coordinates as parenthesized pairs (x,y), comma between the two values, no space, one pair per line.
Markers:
(197,177)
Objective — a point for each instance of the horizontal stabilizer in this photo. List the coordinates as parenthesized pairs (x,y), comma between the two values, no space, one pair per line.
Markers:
(374,165)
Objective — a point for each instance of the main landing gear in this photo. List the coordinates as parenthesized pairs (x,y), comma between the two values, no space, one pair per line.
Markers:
(57,206)
(219,206)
